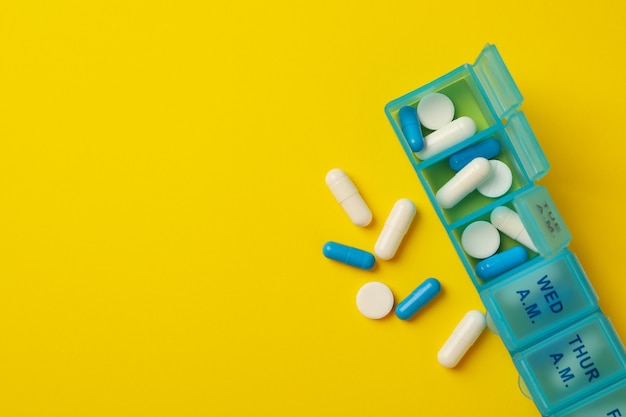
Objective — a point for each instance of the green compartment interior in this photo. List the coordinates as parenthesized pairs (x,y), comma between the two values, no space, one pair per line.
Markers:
(505,243)
(438,174)
(535,311)
(467,99)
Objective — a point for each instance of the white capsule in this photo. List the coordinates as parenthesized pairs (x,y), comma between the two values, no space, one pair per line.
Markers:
(395,228)
(508,222)
(449,135)
(348,196)
(464,182)
(462,338)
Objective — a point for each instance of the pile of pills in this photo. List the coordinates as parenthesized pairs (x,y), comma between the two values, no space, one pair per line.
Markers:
(375,300)
(481,240)
(475,170)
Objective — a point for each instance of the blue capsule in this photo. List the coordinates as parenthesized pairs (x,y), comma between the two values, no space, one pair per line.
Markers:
(349,255)
(410,126)
(487,149)
(420,296)
(501,262)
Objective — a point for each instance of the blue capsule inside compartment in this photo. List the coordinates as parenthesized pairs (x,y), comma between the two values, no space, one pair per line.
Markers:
(349,255)
(421,296)
(500,263)
(487,149)
(410,125)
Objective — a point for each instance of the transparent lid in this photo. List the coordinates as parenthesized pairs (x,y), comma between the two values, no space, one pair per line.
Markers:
(610,402)
(542,220)
(497,82)
(526,146)
(540,300)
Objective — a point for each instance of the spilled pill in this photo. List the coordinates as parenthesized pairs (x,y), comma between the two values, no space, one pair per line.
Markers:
(395,228)
(374,300)
(420,296)
(462,338)
(348,196)
(349,255)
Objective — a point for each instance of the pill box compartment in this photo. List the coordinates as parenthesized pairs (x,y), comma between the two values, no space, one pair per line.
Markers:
(519,150)
(539,216)
(536,302)
(573,364)
(470,262)
(484,91)
(462,88)
(609,402)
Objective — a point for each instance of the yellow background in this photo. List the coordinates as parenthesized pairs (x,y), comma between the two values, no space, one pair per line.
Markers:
(163,205)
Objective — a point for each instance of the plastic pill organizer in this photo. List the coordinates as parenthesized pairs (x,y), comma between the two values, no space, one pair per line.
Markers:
(545,310)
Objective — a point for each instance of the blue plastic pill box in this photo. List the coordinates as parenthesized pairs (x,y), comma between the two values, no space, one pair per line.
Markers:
(545,309)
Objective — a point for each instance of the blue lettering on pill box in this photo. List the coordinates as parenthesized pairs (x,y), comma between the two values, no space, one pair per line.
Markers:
(614,413)
(585,363)
(548,293)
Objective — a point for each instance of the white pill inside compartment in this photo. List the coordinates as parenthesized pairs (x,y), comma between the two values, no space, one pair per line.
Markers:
(435,111)
(499,180)
(480,239)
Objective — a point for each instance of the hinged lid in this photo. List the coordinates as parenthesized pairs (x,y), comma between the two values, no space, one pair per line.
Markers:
(526,146)
(497,82)
(542,220)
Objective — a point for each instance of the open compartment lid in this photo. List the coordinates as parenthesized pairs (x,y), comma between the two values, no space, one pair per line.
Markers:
(497,82)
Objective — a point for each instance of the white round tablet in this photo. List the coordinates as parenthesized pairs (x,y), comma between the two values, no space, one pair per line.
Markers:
(435,111)
(498,182)
(480,239)
(374,300)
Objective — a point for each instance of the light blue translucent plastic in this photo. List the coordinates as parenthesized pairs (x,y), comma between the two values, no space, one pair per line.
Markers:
(541,219)
(539,300)
(575,363)
(610,402)
(494,76)
(545,309)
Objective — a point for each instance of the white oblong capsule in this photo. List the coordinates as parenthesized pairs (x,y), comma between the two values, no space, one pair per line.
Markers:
(464,182)
(449,135)
(508,222)
(348,196)
(395,228)
(462,338)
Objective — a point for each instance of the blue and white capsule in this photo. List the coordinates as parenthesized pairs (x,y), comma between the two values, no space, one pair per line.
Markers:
(411,128)
(418,299)
(349,255)
(487,149)
(501,262)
